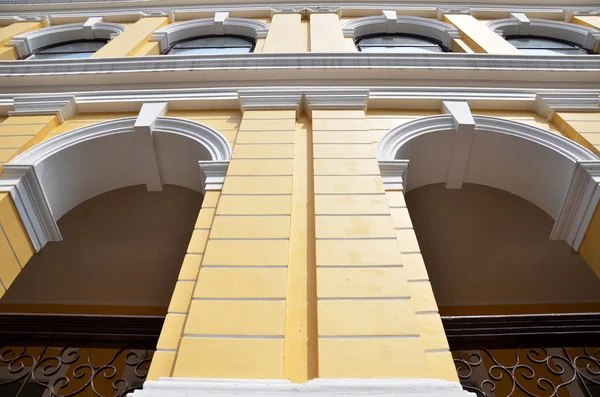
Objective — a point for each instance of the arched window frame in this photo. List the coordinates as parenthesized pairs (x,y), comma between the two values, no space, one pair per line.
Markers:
(246,38)
(42,49)
(28,43)
(221,25)
(390,23)
(431,40)
(575,45)
(581,36)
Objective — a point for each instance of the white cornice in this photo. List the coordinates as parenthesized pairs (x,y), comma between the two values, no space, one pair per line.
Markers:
(63,106)
(260,99)
(547,103)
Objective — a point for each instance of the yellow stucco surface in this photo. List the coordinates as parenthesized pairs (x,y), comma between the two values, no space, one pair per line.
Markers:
(478,36)
(133,39)
(285,34)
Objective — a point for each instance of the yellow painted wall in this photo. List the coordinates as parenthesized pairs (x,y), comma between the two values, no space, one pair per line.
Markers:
(326,33)
(479,37)
(134,40)
(227,122)
(85,119)
(583,128)
(381,121)
(8,32)
(287,33)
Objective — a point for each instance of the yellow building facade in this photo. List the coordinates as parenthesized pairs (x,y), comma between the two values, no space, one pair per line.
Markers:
(268,188)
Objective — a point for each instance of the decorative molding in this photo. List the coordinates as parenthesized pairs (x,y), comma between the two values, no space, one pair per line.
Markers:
(218,26)
(64,107)
(461,144)
(27,43)
(22,182)
(144,124)
(393,174)
(547,103)
(339,99)
(587,38)
(269,99)
(213,174)
(579,205)
(438,30)
(195,387)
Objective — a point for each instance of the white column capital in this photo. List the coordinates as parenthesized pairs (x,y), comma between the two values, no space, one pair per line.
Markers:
(62,106)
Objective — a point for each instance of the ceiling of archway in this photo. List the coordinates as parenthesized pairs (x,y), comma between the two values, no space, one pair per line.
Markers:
(486,247)
(123,249)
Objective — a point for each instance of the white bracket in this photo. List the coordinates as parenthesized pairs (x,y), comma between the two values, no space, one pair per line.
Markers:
(213,174)
(393,173)
(88,27)
(144,124)
(524,22)
(219,20)
(391,17)
(461,146)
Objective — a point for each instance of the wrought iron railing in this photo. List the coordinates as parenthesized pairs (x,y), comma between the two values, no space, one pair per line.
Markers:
(60,356)
(533,355)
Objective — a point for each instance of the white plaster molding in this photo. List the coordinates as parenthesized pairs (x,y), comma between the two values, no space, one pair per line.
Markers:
(547,103)
(22,183)
(461,145)
(29,176)
(579,204)
(27,43)
(213,174)
(144,124)
(427,27)
(63,106)
(587,38)
(269,99)
(393,174)
(339,99)
(191,387)
(219,25)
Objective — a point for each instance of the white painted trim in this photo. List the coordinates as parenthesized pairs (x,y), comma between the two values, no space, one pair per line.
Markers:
(352,99)
(22,183)
(393,174)
(144,124)
(547,103)
(207,27)
(587,38)
(27,43)
(461,145)
(213,174)
(438,30)
(579,205)
(62,106)
(262,99)
(192,387)
(19,175)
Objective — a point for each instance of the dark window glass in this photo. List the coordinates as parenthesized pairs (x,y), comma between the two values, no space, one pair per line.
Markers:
(543,46)
(213,45)
(398,44)
(72,50)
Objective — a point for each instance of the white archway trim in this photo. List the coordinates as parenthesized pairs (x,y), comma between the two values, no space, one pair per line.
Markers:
(40,210)
(94,28)
(577,201)
(220,25)
(391,23)
(587,38)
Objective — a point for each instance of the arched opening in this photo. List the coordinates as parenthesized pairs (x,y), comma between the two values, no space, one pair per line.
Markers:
(117,203)
(513,301)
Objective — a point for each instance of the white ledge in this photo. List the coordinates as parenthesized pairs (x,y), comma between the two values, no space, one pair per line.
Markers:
(188,387)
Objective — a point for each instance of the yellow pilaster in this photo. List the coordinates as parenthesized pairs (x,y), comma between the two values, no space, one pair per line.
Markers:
(583,128)
(19,133)
(326,33)
(479,37)
(373,320)
(590,246)
(15,246)
(10,31)
(286,34)
(179,307)
(133,40)
(237,317)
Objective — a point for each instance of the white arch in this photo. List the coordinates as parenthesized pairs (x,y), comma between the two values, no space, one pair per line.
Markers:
(546,169)
(587,38)
(438,30)
(209,27)
(28,42)
(53,177)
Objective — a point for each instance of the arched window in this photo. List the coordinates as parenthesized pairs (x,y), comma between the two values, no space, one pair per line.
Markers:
(407,44)
(69,50)
(213,45)
(534,45)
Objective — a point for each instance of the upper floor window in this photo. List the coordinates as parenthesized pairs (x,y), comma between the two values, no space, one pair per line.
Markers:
(213,45)
(407,44)
(69,50)
(533,45)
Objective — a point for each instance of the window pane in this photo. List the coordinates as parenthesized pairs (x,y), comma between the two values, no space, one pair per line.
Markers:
(73,55)
(192,51)
(403,50)
(395,41)
(82,46)
(534,42)
(222,41)
(553,51)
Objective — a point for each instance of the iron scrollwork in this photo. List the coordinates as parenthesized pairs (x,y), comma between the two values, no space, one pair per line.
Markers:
(533,371)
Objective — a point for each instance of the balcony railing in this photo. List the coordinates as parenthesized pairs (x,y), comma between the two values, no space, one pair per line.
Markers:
(75,355)
(527,355)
